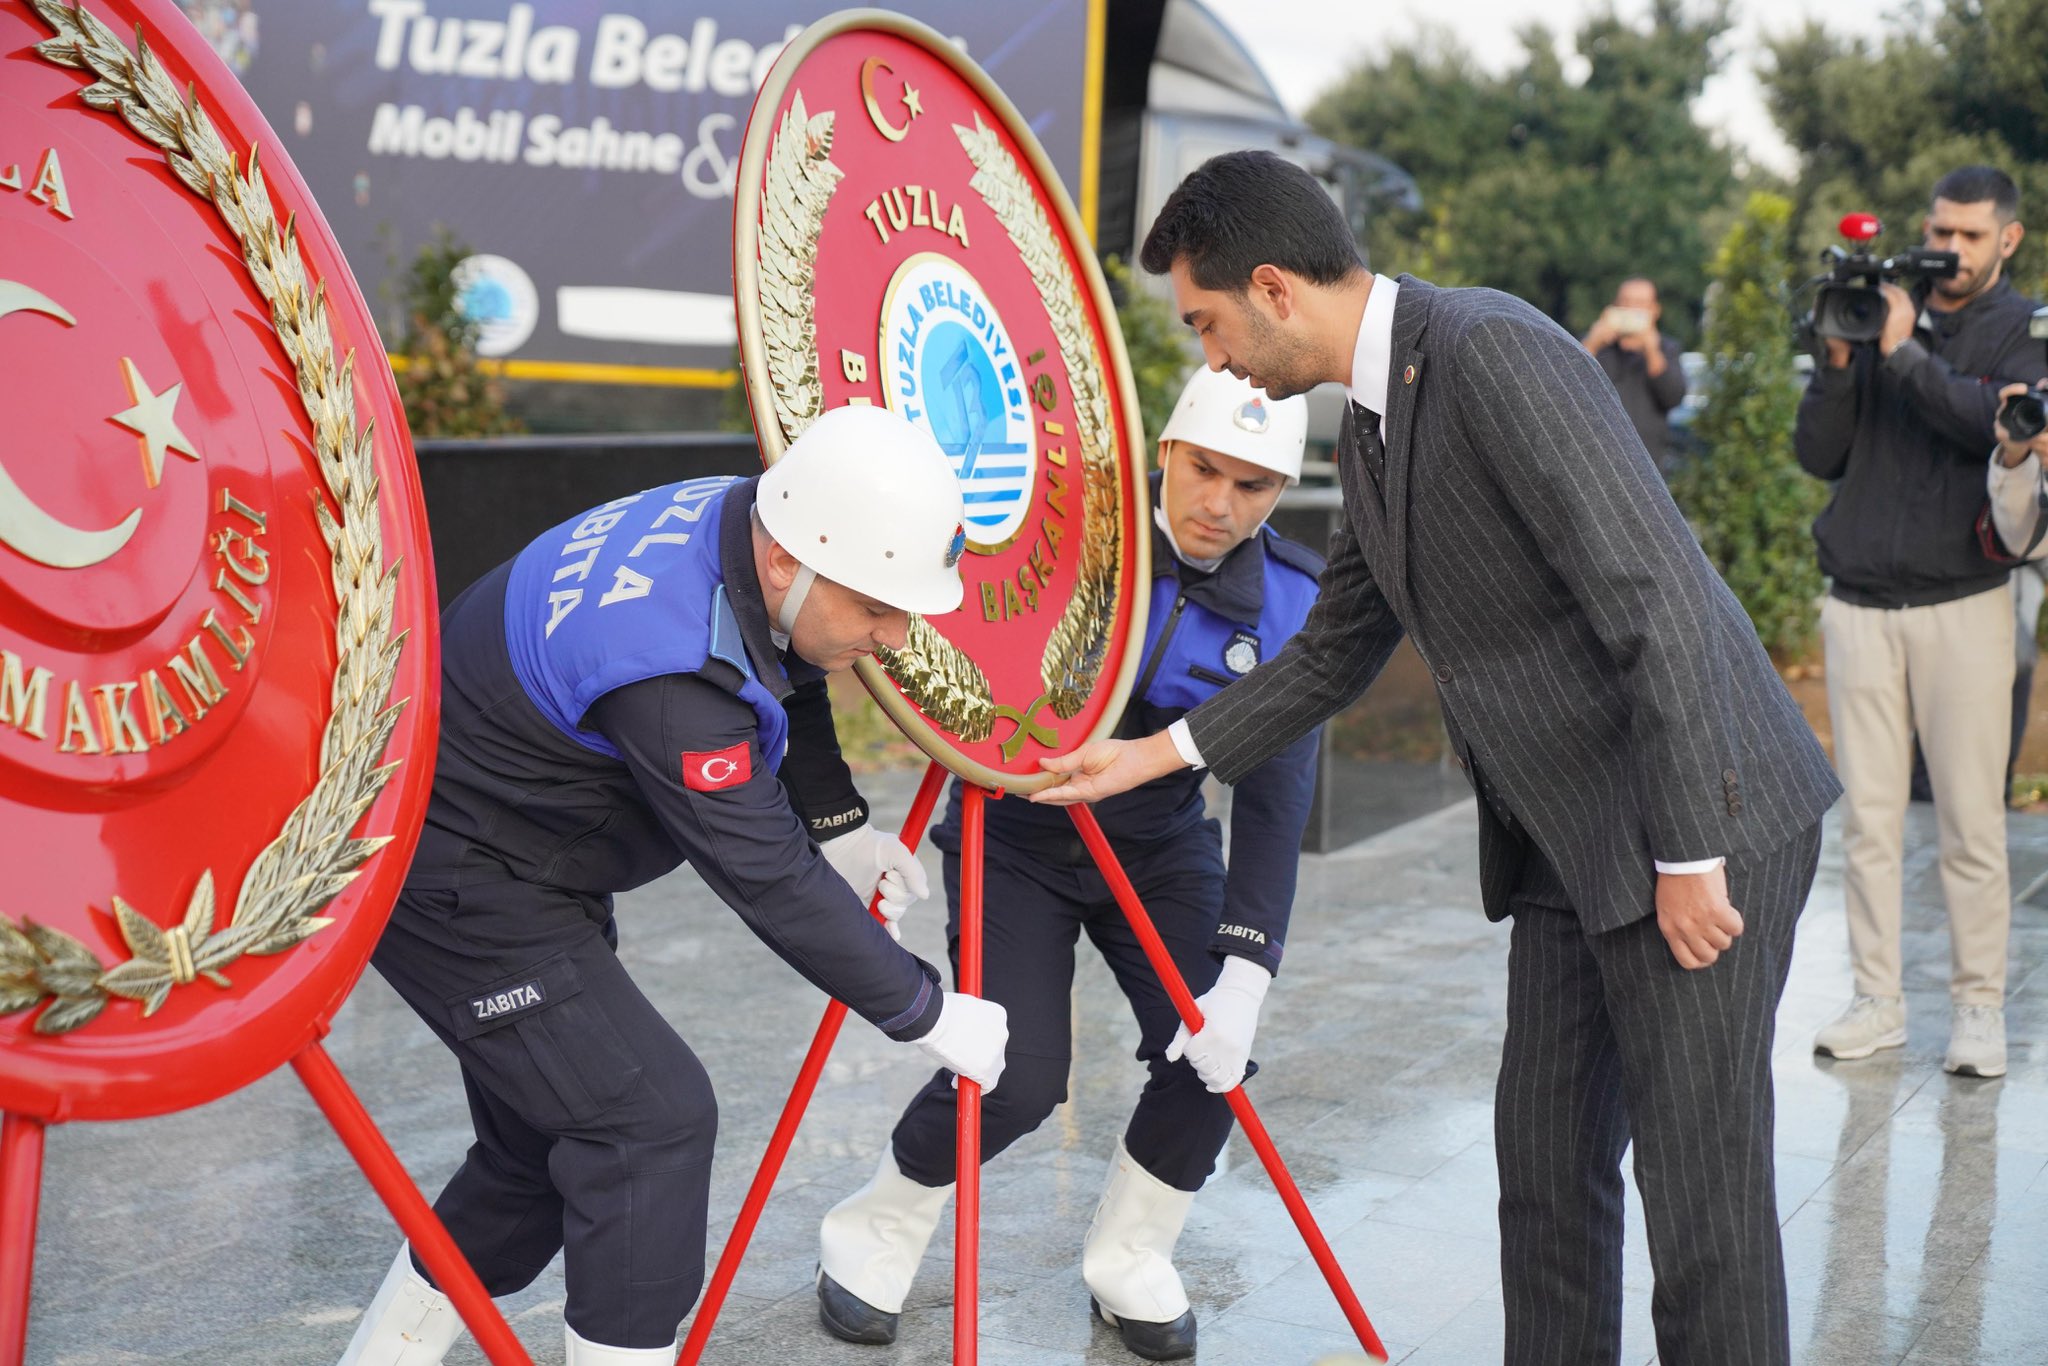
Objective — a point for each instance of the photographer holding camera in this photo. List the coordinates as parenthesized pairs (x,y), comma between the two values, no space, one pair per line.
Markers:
(1917,625)
(1641,361)
(2014,484)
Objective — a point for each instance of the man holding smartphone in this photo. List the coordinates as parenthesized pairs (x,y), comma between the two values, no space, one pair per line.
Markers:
(1641,361)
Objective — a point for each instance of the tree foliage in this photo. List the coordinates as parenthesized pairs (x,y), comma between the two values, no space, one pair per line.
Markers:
(1749,503)
(1559,178)
(446,391)
(1155,341)
(1876,124)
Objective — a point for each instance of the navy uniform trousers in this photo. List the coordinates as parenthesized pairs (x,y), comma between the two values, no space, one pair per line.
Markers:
(1037,902)
(592,1117)
(1609,1039)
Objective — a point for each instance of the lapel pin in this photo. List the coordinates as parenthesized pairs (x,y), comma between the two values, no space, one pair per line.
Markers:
(1408,375)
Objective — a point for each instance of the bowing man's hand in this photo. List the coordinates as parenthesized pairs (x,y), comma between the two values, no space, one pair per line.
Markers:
(1694,913)
(1103,768)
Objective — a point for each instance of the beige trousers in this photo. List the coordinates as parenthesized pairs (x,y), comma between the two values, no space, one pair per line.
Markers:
(1945,672)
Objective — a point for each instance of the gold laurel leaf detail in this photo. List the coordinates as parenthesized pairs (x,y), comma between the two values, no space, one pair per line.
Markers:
(313,856)
(946,685)
(797,188)
(1079,643)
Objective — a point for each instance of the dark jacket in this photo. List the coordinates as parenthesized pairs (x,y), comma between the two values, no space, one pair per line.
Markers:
(1647,401)
(1599,682)
(517,799)
(1906,438)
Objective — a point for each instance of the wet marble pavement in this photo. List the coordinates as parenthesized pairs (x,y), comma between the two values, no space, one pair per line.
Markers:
(1915,1205)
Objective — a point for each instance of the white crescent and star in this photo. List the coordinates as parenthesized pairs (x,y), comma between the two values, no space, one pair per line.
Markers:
(729,768)
(29,529)
(154,420)
(911,101)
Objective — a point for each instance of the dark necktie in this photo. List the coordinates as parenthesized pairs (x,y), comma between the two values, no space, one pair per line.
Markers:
(1370,448)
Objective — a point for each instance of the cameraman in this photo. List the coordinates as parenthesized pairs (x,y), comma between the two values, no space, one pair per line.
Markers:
(1917,625)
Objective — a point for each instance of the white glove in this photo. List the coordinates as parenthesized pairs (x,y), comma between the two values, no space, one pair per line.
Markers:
(873,860)
(1230,1017)
(969,1038)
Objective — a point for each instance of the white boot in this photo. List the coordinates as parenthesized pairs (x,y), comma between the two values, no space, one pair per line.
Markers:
(868,1250)
(1128,1261)
(582,1352)
(409,1323)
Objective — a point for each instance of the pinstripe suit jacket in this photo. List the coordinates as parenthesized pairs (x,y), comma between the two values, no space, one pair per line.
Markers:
(1592,667)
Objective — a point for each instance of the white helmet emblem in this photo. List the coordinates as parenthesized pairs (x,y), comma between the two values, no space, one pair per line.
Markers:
(1252,417)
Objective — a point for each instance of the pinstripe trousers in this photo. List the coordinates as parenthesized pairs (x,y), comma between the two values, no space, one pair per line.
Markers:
(1609,1039)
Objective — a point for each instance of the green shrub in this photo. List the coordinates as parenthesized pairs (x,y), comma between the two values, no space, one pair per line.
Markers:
(1749,503)
(1156,342)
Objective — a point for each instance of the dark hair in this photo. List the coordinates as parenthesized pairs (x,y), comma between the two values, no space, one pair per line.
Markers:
(1975,184)
(1241,210)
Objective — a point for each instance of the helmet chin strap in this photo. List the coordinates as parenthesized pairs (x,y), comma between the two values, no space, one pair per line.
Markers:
(793,600)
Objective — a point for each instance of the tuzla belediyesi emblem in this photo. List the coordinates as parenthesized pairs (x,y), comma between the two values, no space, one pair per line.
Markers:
(900,239)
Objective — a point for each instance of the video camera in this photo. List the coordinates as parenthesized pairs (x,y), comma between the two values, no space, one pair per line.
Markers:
(2025,416)
(1849,305)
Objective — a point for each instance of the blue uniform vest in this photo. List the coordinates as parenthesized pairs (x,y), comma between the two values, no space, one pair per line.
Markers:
(628,591)
(1208,652)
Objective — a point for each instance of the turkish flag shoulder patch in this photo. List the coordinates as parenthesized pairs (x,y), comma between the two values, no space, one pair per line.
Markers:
(718,768)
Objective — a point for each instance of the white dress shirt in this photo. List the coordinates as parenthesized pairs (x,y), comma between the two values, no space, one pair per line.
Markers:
(1372,355)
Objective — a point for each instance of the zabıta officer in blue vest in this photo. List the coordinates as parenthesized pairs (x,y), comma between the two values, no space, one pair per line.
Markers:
(1227,593)
(616,700)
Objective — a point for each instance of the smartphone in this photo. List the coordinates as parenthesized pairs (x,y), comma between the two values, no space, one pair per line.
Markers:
(1626,321)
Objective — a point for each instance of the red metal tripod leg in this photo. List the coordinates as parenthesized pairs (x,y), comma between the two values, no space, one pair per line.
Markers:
(21,1190)
(358,1133)
(792,1115)
(1240,1104)
(967,1109)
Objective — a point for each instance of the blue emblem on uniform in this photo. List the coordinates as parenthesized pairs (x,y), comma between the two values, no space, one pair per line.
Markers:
(958,547)
(1252,416)
(1241,655)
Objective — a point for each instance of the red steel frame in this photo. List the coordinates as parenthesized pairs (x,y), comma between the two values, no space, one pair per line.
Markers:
(792,1116)
(1240,1104)
(21,1167)
(967,1221)
(967,1108)
(21,1185)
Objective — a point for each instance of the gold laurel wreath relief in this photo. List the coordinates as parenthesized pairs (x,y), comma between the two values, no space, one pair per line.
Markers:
(800,182)
(932,672)
(1079,644)
(313,857)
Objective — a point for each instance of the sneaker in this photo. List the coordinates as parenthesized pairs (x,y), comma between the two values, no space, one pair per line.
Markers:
(1976,1042)
(1870,1023)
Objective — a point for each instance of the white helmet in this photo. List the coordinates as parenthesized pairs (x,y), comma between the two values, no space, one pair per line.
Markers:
(1222,413)
(867,499)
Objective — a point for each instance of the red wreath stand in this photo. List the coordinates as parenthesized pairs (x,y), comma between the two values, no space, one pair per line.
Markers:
(967,1222)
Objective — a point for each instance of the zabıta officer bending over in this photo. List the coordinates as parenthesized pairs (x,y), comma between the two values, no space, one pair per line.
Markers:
(618,699)
(1226,593)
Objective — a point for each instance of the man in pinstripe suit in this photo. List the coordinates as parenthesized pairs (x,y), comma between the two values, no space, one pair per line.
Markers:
(1650,796)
